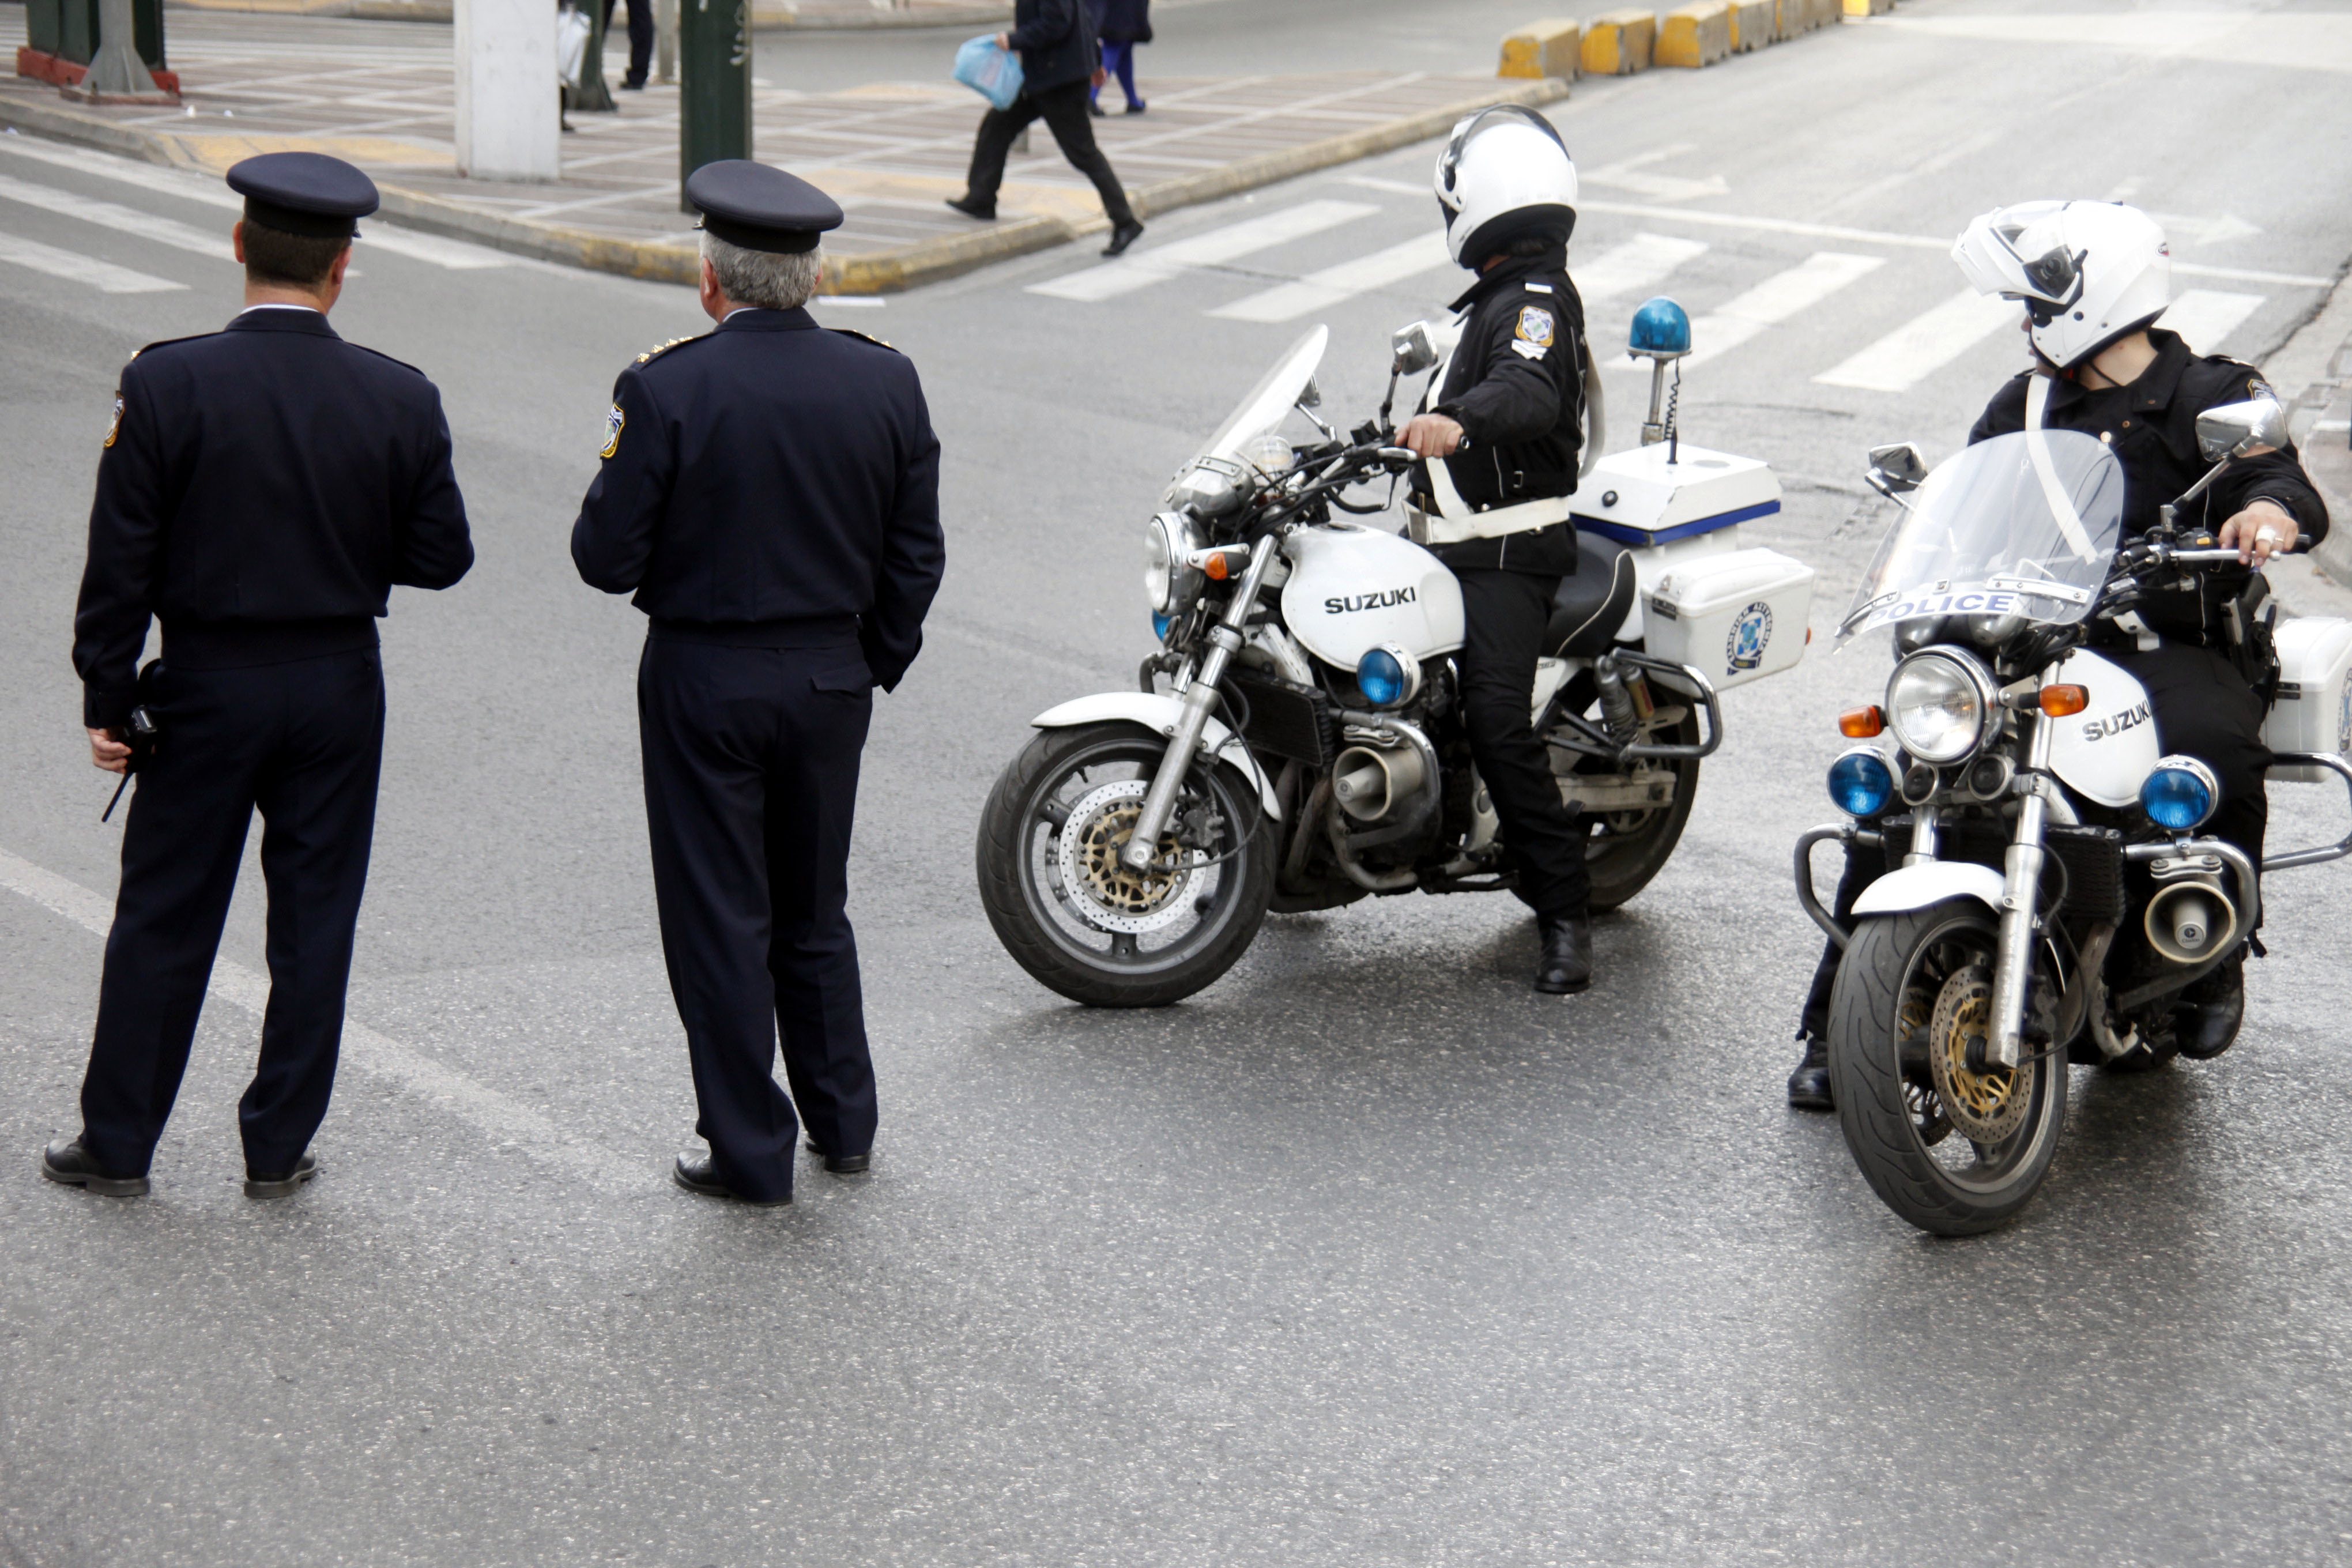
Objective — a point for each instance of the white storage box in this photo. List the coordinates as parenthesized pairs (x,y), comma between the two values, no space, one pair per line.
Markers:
(1732,617)
(2314,712)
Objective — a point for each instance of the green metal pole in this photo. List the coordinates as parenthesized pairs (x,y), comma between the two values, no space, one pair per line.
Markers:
(594,96)
(714,48)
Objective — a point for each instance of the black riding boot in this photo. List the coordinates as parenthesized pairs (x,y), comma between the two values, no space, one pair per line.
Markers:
(1809,1086)
(2205,1018)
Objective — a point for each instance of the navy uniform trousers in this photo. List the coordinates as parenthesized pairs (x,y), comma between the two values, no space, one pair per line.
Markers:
(303,741)
(751,769)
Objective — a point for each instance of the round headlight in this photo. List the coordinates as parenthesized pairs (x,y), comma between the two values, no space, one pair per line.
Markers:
(1388,676)
(1937,706)
(2179,794)
(1861,783)
(1169,582)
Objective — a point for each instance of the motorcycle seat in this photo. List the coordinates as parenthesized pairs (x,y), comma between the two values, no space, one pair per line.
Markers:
(1592,603)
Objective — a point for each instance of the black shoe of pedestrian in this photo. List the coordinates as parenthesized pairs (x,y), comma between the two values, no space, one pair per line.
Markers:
(1122,237)
(2205,1021)
(1809,1086)
(971,208)
(1565,966)
(628,86)
(68,1161)
(1135,108)
(839,1165)
(1095,108)
(259,1184)
(698,1173)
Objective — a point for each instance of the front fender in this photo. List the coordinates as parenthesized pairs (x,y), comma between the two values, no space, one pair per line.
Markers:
(1908,888)
(1158,714)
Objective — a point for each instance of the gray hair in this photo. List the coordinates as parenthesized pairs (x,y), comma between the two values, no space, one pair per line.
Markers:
(770,280)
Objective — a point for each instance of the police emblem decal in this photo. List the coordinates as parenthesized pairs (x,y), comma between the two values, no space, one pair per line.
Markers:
(114,426)
(1535,326)
(613,423)
(1751,634)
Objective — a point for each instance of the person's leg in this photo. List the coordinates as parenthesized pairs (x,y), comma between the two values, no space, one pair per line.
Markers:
(1065,111)
(998,127)
(181,845)
(1809,1085)
(317,796)
(1126,69)
(641,42)
(812,954)
(1505,615)
(704,723)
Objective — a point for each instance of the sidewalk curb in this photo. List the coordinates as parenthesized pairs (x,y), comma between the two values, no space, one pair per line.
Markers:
(764,18)
(877,272)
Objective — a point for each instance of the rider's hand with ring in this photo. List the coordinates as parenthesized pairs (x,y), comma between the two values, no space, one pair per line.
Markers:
(1431,435)
(2263,530)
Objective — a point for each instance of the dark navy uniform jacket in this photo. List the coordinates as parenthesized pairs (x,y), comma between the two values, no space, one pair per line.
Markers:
(261,490)
(771,480)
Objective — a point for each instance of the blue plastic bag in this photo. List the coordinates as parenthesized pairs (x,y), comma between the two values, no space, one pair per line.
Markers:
(990,71)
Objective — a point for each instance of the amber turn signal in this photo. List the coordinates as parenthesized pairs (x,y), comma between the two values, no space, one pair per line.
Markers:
(1861,723)
(2058,701)
(1217,568)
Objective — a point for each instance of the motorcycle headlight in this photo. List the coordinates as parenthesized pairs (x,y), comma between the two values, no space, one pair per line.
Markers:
(1861,783)
(1170,581)
(1940,705)
(2179,794)
(1388,676)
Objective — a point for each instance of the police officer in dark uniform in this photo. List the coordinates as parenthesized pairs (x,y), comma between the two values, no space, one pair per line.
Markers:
(261,490)
(2094,276)
(769,491)
(1499,436)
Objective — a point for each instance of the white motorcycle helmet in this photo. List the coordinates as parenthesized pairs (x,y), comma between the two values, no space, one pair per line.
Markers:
(1505,172)
(2088,272)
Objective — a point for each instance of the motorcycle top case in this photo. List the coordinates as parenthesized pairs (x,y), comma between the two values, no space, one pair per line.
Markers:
(2314,710)
(1733,617)
(1351,589)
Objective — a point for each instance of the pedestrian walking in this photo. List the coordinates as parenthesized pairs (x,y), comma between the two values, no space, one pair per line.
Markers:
(641,41)
(260,490)
(1121,25)
(770,492)
(1060,60)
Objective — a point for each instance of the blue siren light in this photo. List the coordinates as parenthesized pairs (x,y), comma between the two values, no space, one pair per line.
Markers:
(2179,794)
(1661,328)
(1159,625)
(1861,784)
(1380,676)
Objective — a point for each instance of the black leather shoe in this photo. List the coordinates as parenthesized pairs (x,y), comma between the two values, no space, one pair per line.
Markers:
(1122,237)
(1565,966)
(971,208)
(1096,109)
(67,1161)
(260,1185)
(840,1164)
(696,1173)
(1135,109)
(2205,1021)
(1809,1086)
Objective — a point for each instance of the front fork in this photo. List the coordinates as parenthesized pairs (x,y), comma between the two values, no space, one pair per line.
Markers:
(2020,887)
(1224,641)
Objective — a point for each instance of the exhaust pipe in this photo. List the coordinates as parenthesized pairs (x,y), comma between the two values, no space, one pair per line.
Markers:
(2189,921)
(1369,785)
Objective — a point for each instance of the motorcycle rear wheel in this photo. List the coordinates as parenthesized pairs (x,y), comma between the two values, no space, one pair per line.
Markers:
(1917,1153)
(1180,938)
(1622,858)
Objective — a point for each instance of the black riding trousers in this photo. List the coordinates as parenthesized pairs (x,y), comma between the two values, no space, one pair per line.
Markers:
(1506,613)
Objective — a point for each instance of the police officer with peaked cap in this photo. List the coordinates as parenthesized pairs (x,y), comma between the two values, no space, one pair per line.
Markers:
(770,492)
(261,490)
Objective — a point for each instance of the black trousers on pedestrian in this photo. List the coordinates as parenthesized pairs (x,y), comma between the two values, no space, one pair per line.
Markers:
(1506,613)
(751,765)
(1066,112)
(2202,706)
(303,742)
(641,38)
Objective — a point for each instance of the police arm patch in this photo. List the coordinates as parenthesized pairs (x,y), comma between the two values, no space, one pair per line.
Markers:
(613,424)
(114,426)
(1535,326)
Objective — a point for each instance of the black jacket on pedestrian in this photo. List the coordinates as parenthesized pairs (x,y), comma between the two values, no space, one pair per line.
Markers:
(2152,426)
(771,479)
(1057,41)
(261,490)
(1122,21)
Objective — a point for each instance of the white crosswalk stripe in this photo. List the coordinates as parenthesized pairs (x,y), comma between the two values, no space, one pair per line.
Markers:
(102,276)
(1925,344)
(1639,264)
(2206,317)
(1317,290)
(1218,246)
(108,215)
(1776,300)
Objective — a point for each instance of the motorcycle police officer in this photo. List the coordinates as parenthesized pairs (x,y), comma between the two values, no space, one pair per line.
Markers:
(769,491)
(2094,276)
(261,490)
(1498,435)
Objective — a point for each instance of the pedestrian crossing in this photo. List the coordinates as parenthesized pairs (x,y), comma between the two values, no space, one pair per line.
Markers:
(1214,249)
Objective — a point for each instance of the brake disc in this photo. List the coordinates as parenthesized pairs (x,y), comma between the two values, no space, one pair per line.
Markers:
(1986,1107)
(1105,893)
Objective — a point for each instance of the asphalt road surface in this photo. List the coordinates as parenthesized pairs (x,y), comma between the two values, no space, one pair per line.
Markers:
(1367,1254)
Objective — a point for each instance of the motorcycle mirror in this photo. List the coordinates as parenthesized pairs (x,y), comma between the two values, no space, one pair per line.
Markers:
(1897,467)
(2233,429)
(1413,349)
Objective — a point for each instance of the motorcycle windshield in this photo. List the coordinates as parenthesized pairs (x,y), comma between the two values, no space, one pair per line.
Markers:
(2022,525)
(1273,397)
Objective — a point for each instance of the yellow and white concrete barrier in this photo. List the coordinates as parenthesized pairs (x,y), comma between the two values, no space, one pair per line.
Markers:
(1550,47)
(1695,35)
(1754,24)
(1618,43)
(1868,7)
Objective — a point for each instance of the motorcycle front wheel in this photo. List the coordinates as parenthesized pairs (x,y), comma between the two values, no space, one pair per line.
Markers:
(1952,1151)
(1080,922)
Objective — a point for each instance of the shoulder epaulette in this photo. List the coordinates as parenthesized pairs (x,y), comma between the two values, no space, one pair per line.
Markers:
(381,355)
(658,350)
(853,332)
(167,343)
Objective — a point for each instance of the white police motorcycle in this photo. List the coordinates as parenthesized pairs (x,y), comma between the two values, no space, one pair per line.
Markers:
(1295,743)
(2046,896)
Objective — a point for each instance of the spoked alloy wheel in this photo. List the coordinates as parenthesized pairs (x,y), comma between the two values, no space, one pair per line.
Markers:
(1953,1150)
(1084,924)
(1627,848)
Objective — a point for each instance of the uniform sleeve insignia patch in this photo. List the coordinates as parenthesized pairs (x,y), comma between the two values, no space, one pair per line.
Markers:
(114,426)
(1535,326)
(613,423)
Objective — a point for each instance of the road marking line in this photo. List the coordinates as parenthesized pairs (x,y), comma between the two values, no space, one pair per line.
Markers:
(2206,317)
(484,1108)
(1776,300)
(1639,264)
(1925,344)
(1095,284)
(1423,253)
(102,276)
(108,215)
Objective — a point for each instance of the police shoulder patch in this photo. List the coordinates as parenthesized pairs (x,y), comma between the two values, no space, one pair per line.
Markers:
(614,422)
(853,332)
(114,426)
(1535,326)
